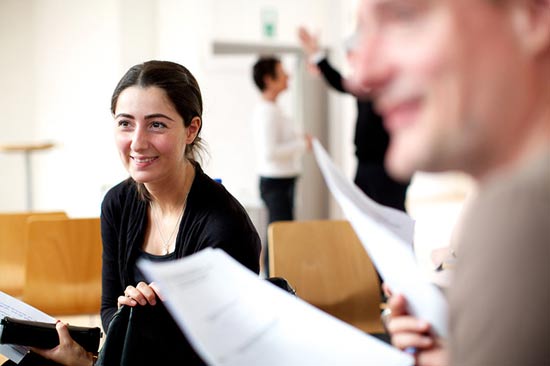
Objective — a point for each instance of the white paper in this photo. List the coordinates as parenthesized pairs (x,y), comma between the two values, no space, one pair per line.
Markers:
(10,306)
(234,318)
(387,235)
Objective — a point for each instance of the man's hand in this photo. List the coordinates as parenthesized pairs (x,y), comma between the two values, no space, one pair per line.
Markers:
(309,42)
(413,335)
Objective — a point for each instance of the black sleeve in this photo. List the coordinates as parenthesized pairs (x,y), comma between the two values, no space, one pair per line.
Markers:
(111,285)
(233,232)
(331,75)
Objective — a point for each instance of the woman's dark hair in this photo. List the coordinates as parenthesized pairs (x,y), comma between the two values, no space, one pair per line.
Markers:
(265,66)
(182,90)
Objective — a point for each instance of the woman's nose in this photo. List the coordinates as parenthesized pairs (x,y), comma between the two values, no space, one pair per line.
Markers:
(139,140)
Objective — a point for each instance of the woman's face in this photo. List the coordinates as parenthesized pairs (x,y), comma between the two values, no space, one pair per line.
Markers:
(150,134)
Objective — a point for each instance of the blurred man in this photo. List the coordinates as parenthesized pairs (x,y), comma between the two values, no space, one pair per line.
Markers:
(465,85)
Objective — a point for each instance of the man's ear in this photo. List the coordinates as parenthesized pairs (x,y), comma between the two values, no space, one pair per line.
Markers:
(193,130)
(268,80)
(531,20)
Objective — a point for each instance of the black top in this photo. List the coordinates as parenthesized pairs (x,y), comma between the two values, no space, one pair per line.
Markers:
(371,139)
(212,218)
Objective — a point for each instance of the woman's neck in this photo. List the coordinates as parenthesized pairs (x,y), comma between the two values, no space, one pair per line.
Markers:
(170,197)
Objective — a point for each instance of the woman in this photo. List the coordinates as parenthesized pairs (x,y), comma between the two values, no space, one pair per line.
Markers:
(168,208)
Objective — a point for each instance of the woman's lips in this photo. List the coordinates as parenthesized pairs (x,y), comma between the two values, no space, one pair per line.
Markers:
(143,161)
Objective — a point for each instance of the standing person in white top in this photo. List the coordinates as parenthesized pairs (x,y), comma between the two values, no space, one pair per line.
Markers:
(279,143)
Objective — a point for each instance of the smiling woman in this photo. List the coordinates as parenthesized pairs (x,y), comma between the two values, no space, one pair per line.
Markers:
(167,209)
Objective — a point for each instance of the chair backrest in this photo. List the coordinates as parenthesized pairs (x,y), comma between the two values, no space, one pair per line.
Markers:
(13,248)
(329,268)
(63,266)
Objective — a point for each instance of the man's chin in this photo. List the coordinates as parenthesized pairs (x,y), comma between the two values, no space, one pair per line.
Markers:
(399,164)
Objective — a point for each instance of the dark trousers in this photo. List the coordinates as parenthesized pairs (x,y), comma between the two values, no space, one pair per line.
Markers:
(375,182)
(278,196)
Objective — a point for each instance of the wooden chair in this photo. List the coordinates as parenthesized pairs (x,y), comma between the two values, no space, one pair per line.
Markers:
(13,248)
(329,268)
(63,266)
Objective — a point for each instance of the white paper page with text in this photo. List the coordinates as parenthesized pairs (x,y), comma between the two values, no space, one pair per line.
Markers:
(387,235)
(234,318)
(13,308)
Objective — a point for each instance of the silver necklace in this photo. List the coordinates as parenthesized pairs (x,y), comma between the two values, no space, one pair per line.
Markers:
(168,242)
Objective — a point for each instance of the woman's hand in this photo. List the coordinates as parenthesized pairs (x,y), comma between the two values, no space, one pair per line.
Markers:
(68,352)
(142,294)
(410,333)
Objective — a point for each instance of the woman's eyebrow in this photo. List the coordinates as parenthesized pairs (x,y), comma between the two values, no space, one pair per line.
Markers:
(125,115)
(157,115)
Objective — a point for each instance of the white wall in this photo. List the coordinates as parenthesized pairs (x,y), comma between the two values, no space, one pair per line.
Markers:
(17,98)
(61,60)
(64,57)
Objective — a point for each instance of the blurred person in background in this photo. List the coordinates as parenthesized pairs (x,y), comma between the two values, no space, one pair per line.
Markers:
(371,138)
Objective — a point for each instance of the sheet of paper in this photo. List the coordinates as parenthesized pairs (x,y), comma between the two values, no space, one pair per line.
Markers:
(10,306)
(234,318)
(387,235)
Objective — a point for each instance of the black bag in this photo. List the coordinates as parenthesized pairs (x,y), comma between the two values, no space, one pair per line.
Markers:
(44,335)
(145,335)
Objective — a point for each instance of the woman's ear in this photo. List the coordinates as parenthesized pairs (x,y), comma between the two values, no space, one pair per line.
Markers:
(193,130)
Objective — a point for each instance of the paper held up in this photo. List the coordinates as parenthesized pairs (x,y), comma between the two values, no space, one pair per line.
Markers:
(233,318)
(387,235)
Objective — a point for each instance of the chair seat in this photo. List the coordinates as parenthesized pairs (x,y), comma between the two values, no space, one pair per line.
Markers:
(329,268)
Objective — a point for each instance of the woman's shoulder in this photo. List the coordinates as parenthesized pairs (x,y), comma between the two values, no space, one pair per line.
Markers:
(213,195)
(118,194)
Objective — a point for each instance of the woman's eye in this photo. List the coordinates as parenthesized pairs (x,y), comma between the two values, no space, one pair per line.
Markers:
(158,125)
(123,123)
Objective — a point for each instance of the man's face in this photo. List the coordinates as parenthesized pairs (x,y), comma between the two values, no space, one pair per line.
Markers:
(444,74)
(280,82)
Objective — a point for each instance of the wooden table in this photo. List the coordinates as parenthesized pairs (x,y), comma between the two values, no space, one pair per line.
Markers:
(27,149)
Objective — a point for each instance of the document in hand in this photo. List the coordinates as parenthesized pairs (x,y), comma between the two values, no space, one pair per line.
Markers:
(234,318)
(387,235)
(10,306)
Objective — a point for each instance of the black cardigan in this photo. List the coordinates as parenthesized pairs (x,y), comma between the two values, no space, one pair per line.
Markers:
(212,218)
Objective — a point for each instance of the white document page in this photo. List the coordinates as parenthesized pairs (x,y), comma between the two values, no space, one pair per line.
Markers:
(13,308)
(387,235)
(234,318)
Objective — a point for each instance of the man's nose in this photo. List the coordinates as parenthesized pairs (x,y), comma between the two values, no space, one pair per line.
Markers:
(371,68)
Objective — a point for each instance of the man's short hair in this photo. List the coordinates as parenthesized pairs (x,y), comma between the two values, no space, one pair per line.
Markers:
(265,66)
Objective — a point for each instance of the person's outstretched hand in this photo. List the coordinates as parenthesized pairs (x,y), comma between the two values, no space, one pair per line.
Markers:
(413,335)
(68,352)
(308,41)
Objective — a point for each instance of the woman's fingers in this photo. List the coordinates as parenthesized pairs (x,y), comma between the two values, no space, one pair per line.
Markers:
(125,300)
(155,288)
(142,294)
(147,292)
